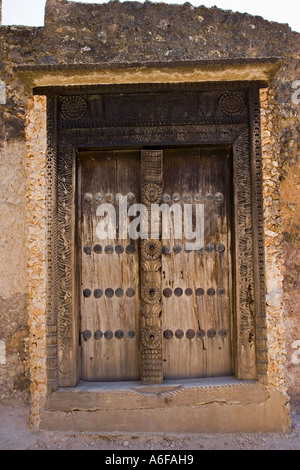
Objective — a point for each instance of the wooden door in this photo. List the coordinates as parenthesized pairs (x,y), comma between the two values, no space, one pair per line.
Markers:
(196,285)
(109,269)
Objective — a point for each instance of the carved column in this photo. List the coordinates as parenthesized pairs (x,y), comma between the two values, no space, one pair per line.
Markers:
(151,250)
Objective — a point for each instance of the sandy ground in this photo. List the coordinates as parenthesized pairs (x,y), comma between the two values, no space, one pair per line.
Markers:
(16,435)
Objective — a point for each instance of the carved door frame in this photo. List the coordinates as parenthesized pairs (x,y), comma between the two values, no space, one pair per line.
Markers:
(132,116)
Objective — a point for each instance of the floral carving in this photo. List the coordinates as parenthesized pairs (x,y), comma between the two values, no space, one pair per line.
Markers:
(151,249)
(151,194)
(151,337)
(231,103)
(150,292)
(74,107)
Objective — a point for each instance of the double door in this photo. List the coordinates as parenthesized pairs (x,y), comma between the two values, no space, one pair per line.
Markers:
(155,263)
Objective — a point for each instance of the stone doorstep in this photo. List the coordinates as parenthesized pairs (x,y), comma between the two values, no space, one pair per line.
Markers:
(221,404)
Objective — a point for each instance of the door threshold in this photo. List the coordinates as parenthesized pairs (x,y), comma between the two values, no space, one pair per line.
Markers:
(156,389)
(209,405)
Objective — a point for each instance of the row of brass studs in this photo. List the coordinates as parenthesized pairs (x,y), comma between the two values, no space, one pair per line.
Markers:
(168,334)
(98,293)
(199,292)
(178,292)
(119,334)
(218,197)
(220,248)
(109,197)
(166,250)
(119,249)
(190,334)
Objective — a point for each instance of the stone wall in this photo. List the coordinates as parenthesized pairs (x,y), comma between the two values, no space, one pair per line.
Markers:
(134,33)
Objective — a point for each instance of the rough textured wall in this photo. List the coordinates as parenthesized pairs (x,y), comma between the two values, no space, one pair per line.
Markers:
(36,245)
(138,33)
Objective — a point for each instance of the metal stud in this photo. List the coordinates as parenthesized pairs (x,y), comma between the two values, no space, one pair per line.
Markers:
(177,249)
(167,292)
(211,333)
(108,334)
(130,197)
(221,291)
(211,292)
(86,334)
(166,250)
(119,292)
(200,334)
(130,249)
(190,334)
(199,292)
(88,197)
(220,248)
(130,292)
(223,333)
(87,293)
(98,249)
(119,334)
(99,197)
(166,198)
(168,334)
(98,334)
(209,197)
(199,249)
(179,334)
(109,293)
(108,249)
(176,197)
(87,250)
(209,248)
(109,197)
(178,292)
(131,334)
(119,249)
(198,197)
(188,291)
(98,293)
(219,197)
(186,197)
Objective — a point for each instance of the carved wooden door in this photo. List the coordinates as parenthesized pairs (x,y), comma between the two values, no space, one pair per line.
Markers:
(154,306)
(109,268)
(197,283)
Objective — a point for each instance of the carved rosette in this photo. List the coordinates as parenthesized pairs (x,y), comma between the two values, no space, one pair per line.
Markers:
(151,251)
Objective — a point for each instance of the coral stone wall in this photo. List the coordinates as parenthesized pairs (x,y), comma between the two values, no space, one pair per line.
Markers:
(123,33)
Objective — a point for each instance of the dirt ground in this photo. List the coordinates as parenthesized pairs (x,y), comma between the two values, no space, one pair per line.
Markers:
(16,435)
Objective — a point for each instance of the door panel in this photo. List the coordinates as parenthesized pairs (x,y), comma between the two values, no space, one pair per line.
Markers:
(109,297)
(197,284)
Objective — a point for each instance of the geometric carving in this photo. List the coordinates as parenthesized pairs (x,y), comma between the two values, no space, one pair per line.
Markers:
(232,103)
(244,237)
(74,107)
